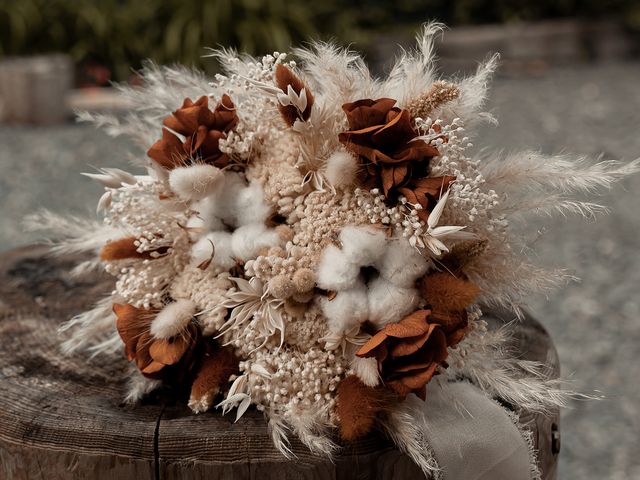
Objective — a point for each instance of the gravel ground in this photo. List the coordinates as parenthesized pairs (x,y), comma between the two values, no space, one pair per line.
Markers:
(586,110)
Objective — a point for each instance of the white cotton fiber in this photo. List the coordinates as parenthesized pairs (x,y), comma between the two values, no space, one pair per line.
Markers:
(207,209)
(247,240)
(402,264)
(340,169)
(367,370)
(389,303)
(223,256)
(362,245)
(348,309)
(196,181)
(173,318)
(250,206)
(202,251)
(335,272)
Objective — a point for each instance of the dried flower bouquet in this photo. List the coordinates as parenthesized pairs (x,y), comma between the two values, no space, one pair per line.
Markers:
(314,241)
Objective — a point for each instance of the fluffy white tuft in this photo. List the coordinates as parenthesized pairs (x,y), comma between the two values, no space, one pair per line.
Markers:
(223,256)
(363,245)
(195,182)
(247,240)
(139,387)
(367,370)
(348,309)
(389,303)
(250,206)
(340,169)
(402,264)
(335,272)
(173,318)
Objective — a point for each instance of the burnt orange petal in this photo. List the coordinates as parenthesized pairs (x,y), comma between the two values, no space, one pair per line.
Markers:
(366,112)
(168,351)
(411,345)
(398,130)
(421,378)
(367,350)
(130,324)
(411,326)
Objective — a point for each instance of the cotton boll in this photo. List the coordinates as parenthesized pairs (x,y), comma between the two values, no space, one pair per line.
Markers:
(207,209)
(250,205)
(227,207)
(219,207)
(173,318)
(389,303)
(202,251)
(367,370)
(247,240)
(340,169)
(335,271)
(348,309)
(224,256)
(402,264)
(363,245)
(196,181)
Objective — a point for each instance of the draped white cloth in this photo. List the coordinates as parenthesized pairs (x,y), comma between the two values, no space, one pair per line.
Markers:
(472,437)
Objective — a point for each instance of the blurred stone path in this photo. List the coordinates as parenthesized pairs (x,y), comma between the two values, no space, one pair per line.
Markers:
(596,323)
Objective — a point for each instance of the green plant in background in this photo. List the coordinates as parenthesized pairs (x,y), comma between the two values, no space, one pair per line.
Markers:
(119,34)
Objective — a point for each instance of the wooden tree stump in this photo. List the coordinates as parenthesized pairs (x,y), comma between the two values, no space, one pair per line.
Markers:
(62,417)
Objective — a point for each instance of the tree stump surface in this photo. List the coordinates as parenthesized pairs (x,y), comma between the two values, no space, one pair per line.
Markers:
(63,417)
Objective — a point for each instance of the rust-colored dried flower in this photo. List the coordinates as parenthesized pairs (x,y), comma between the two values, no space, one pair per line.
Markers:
(358,406)
(298,105)
(126,248)
(202,130)
(186,359)
(151,354)
(448,297)
(391,156)
(408,353)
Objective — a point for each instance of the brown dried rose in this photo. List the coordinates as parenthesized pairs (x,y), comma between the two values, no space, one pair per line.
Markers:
(408,353)
(202,129)
(383,137)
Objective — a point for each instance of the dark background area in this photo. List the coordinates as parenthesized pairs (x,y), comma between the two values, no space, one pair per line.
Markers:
(108,39)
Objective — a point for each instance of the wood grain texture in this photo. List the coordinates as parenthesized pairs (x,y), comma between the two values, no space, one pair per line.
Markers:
(62,417)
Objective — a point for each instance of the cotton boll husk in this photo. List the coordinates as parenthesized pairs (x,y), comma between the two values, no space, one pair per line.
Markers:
(196,181)
(389,303)
(173,318)
(335,271)
(247,240)
(363,245)
(402,264)
(223,256)
(340,169)
(250,205)
(367,370)
(348,309)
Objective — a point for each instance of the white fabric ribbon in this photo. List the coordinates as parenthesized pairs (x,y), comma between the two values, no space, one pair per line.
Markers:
(472,437)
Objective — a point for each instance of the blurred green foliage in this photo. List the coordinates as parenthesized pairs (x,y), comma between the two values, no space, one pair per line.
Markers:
(119,34)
